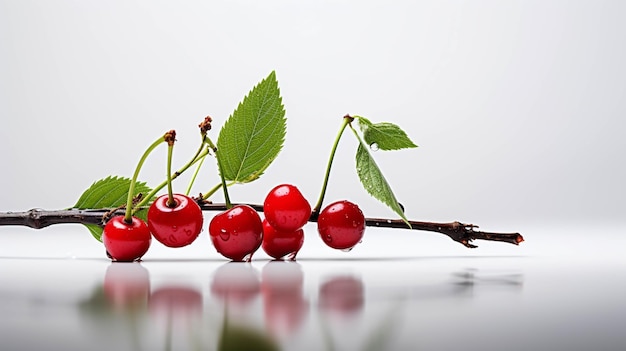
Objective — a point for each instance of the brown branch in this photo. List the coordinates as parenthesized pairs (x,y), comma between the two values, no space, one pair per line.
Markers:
(457,231)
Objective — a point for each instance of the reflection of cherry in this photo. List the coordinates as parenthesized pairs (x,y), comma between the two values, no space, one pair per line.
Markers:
(283,302)
(178,307)
(342,295)
(127,285)
(236,283)
(176,300)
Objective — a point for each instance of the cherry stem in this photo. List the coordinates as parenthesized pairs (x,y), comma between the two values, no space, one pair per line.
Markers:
(195,175)
(215,189)
(200,154)
(221,169)
(347,119)
(457,231)
(128,216)
(204,126)
(170,139)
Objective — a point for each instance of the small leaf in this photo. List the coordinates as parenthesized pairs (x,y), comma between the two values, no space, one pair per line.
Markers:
(374,182)
(110,192)
(254,134)
(385,135)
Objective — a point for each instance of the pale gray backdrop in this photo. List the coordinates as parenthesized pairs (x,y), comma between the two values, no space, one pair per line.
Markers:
(517,106)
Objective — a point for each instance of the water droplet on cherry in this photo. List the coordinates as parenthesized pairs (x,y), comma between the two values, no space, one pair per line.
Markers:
(224,235)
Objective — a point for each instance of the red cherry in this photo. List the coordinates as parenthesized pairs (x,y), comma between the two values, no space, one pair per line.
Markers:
(341,225)
(176,226)
(237,233)
(126,242)
(286,209)
(279,244)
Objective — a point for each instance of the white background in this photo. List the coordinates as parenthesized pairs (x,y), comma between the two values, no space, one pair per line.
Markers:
(518,109)
(517,106)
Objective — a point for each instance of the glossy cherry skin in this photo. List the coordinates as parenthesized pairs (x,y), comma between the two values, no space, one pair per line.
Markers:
(279,244)
(126,242)
(176,226)
(341,225)
(286,209)
(237,233)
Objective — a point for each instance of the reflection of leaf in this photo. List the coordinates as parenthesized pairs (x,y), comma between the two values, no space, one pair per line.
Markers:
(374,182)
(96,305)
(382,333)
(110,192)
(386,136)
(241,338)
(254,134)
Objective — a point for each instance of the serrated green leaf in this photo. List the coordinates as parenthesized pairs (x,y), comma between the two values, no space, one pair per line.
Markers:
(374,182)
(385,135)
(254,134)
(110,192)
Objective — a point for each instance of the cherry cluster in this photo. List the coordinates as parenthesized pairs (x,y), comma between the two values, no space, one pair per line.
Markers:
(238,232)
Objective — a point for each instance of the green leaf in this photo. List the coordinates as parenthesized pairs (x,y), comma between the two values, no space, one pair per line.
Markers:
(254,134)
(384,136)
(108,193)
(374,182)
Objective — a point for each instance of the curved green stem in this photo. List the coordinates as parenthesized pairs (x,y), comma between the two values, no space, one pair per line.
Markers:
(346,121)
(215,189)
(195,175)
(154,191)
(358,137)
(131,190)
(170,192)
(221,169)
(201,159)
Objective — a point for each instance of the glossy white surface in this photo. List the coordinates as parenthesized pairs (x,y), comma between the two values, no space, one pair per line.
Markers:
(545,294)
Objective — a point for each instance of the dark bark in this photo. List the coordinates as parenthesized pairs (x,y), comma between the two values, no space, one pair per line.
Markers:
(457,231)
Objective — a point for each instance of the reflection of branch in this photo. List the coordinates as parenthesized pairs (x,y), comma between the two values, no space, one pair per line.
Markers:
(457,231)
